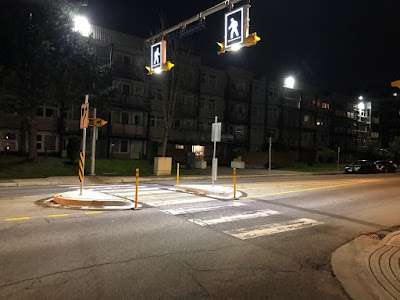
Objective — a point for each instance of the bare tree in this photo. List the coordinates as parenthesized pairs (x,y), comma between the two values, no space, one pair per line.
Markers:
(175,82)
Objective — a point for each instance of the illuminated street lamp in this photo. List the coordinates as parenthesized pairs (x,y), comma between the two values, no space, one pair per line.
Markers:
(82,25)
(289,82)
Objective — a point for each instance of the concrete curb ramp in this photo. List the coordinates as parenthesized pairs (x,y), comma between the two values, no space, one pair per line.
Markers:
(92,200)
(368,268)
(216,191)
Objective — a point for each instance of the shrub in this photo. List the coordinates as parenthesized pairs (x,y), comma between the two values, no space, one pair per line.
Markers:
(326,156)
(73,148)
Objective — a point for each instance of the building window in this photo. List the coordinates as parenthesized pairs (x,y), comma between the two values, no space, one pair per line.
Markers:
(325,105)
(39,140)
(211,104)
(177,123)
(127,60)
(50,143)
(254,132)
(124,146)
(47,112)
(126,89)
(254,111)
(124,118)
(201,126)
(239,109)
(271,133)
(137,120)
(180,147)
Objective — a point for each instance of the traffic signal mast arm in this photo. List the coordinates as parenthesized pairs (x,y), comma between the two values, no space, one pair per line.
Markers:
(195,18)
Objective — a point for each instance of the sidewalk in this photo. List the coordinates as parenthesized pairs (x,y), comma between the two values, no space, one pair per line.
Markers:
(369,268)
(223,173)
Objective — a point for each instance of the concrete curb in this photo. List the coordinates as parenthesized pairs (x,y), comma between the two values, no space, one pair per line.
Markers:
(363,273)
(217,191)
(92,199)
(93,180)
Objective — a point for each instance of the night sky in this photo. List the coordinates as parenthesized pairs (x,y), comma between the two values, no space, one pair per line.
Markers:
(350,46)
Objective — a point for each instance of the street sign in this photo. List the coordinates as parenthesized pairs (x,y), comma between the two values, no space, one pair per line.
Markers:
(158,56)
(84,116)
(97,122)
(192,29)
(216,132)
(236,27)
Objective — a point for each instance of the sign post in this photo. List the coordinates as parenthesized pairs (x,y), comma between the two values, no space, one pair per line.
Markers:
(84,124)
(215,137)
(338,158)
(94,138)
(269,155)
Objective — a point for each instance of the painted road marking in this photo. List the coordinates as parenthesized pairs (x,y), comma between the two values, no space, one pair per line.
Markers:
(182,201)
(257,231)
(92,212)
(245,216)
(182,211)
(306,190)
(31,196)
(15,219)
(53,216)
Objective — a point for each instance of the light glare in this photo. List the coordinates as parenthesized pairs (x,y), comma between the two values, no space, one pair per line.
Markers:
(361,105)
(81,25)
(236,47)
(289,82)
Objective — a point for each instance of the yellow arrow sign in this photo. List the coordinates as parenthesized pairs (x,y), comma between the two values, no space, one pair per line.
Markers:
(97,122)
(396,83)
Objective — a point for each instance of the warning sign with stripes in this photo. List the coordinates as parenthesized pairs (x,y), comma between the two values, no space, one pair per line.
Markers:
(81,169)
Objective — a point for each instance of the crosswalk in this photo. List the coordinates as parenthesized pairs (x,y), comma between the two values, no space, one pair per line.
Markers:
(213,213)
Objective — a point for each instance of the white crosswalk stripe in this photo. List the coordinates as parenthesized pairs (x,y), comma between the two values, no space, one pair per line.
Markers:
(186,200)
(168,200)
(182,211)
(268,229)
(244,216)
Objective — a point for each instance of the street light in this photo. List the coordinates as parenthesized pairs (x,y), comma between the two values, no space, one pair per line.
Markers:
(290,83)
(82,25)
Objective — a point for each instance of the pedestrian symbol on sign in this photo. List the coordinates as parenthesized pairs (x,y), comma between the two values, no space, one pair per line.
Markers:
(156,59)
(234,27)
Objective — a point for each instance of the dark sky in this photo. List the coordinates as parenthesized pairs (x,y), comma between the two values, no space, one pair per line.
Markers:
(348,45)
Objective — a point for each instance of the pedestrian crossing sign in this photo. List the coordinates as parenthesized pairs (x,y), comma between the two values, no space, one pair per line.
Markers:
(236,27)
(158,56)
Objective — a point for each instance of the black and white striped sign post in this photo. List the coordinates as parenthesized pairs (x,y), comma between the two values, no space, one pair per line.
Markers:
(84,125)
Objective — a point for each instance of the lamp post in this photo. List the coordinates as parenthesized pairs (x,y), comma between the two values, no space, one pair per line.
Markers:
(360,107)
(290,84)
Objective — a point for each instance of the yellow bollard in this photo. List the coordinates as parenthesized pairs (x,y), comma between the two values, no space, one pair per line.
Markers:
(234,183)
(137,184)
(177,174)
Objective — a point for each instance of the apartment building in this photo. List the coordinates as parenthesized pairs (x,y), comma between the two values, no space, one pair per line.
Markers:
(250,109)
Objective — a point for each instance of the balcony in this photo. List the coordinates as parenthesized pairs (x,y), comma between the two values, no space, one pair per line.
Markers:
(128,130)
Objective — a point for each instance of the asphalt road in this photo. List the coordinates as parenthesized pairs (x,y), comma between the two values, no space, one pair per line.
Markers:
(273,243)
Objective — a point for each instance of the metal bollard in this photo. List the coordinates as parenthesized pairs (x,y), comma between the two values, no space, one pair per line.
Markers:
(137,184)
(177,174)
(234,183)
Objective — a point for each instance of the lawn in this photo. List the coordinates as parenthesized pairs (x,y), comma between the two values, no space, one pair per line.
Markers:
(17,167)
(12,167)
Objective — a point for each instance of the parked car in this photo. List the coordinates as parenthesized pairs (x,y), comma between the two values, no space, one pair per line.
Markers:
(386,166)
(361,166)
